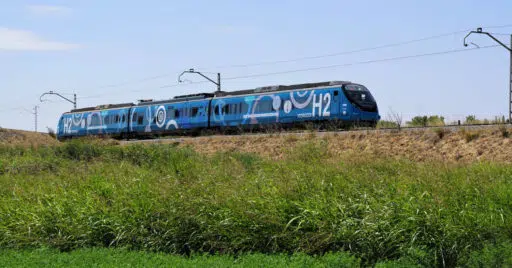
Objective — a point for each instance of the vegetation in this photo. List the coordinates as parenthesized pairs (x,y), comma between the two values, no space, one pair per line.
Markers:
(424,121)
(499,255)
(387,124)
(472,120)
(160,198)
(470,135)
(124,258)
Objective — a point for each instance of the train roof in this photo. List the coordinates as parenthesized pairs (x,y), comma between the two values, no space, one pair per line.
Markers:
(102,107)
(180,98)
(202,96)
(277,88)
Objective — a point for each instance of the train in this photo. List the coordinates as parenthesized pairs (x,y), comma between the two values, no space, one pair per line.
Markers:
(335,103)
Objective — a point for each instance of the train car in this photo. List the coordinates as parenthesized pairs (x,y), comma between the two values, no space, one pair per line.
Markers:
(182,114)
(337,102)
(104,120)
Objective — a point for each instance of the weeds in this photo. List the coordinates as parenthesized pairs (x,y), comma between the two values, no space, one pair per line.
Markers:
(51,133)
(469,135)
(504,131)
(162,198)
(440,132)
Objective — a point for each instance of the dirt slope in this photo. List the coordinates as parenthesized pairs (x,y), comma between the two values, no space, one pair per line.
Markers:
(423,145)
(25,138)
(491,144)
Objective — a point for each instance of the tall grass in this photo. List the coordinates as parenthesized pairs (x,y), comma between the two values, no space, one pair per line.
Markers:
(161,198)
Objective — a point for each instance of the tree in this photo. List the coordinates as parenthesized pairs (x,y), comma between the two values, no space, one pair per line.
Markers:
(423,121)
(470,119)
(418,121)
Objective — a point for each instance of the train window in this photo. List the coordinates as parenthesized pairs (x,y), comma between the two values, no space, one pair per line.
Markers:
(225,109)
(264,106)
(95,120)
(235,108)
(170,113)
(245,108)
(216,109)
(176,113)
(140,120)
(106,120)
(335,93)
(134,117)
(124,118)
(195,111)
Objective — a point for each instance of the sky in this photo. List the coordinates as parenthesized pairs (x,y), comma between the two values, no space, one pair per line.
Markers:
(122,51)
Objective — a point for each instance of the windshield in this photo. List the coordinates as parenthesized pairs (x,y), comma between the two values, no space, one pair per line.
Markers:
(361,97)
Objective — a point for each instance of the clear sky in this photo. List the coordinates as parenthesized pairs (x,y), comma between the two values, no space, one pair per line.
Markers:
(121,51)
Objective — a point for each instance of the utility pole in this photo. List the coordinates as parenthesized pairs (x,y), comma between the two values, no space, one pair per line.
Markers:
(206,77)
(35,118)
(33,112)
(55,93)
(479,31)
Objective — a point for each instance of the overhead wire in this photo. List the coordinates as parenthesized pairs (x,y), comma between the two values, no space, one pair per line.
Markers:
(305,58)
(353,63)
(293,60)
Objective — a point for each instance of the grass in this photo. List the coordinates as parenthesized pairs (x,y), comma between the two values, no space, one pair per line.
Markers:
(498,255)
(97,257)
(160,198)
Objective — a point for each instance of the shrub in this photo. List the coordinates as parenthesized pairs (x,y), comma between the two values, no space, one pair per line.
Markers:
(504,131)
(387,124)
(51,133)
(471,120)
(469,135)
(440,132)
(423,121)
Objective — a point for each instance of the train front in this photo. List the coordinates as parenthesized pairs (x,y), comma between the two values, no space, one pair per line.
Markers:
(364,107)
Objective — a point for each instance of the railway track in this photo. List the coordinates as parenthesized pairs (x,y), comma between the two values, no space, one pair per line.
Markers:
(322,132)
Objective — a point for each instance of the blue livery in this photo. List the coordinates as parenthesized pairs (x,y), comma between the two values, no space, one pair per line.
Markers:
(339,102)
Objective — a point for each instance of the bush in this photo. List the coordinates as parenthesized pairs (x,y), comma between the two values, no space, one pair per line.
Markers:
(469,135)
(387,124)
(52,133)
(423,121)
(492,255)
(440,132)
(504,131)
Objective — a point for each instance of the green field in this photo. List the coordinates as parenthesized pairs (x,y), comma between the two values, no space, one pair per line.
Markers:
(357,209)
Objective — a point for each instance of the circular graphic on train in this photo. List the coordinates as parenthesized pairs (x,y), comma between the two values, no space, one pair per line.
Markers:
(287,106)
(77,119)
(276,103)
(172,123)
(160,116)
(301,104)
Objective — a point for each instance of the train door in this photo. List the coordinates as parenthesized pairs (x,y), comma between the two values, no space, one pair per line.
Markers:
(335,102)
(356,114)
(184,120)
(197,114)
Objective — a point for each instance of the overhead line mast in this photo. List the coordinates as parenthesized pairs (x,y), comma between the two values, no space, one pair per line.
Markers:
(479,31)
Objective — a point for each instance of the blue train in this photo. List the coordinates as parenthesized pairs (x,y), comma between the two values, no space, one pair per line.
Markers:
(339,103)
